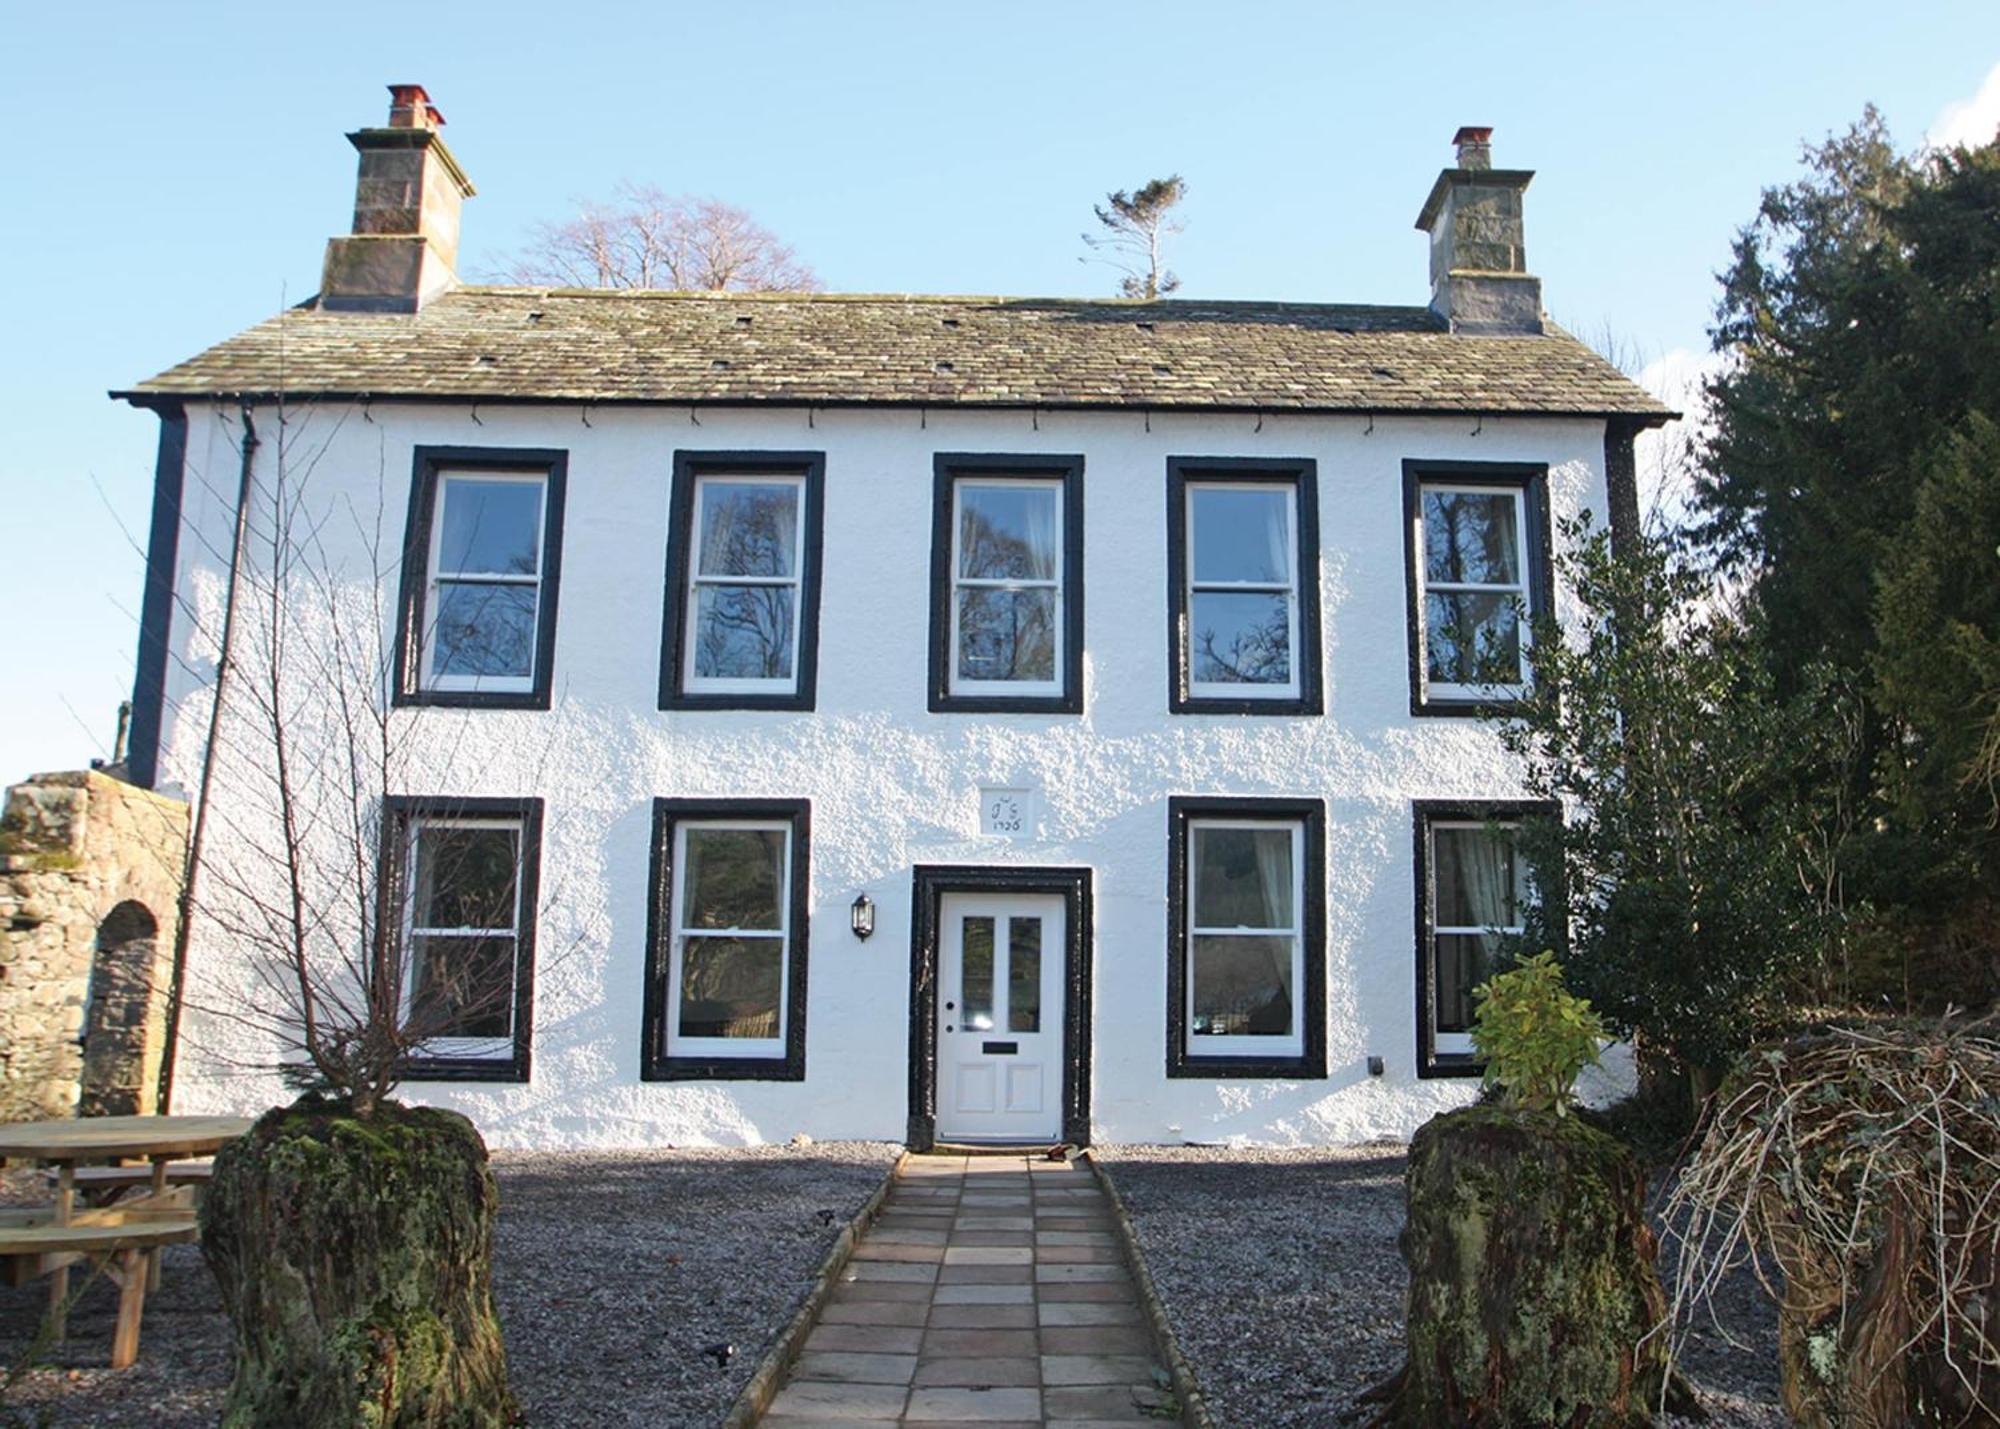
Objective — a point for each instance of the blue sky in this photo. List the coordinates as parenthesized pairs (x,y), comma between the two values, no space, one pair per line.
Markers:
(175,171)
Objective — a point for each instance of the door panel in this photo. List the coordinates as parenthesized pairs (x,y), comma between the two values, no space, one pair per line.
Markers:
(1000,1017)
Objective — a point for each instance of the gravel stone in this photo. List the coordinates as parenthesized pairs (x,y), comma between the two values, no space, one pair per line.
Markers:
(614,1272)
(1281,1277)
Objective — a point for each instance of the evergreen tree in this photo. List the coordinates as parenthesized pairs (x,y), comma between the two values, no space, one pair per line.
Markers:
(1861,318)
(1136,227)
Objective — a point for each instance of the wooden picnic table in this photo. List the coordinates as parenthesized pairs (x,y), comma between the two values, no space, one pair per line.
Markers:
(67,1142)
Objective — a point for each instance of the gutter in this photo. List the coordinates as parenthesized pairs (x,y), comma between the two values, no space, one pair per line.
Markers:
(794,403)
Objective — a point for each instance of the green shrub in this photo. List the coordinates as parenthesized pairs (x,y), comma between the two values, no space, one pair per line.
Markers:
(1534,1034)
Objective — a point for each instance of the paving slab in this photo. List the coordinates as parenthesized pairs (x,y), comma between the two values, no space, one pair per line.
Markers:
(878,1339)
(990,1292)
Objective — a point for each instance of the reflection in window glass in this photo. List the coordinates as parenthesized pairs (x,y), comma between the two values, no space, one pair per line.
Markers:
(1243,876)
(463,929)
(1242,592)
(730,987)
(732,934)
(975,993)
(485,579)
(1245,946)
(1007,597)
(1024,974)
(733,877)
(1475,590)
(743,612)
(1242,986)
(1007,635)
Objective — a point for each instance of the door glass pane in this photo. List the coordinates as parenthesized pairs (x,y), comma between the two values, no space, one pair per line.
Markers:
(1007,532)
(464,877)
(748,529)
(730,986)
(461,987)
(1473,637)
(490,527)
(1006,634)
(975,990)
(1242,987)
(484,629)
(1241,535)
(1240,638)
(743,632)
(733,878)
(1477,886)
(1242,878)
(1471,536)
(1024,974)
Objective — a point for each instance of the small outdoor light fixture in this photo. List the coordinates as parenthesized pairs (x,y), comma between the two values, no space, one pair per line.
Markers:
(862,916)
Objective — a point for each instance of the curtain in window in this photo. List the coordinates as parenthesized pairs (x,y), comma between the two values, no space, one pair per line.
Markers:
(1475,890)
(1274,879)
(1278,537)
(1040,508)
(1486,866)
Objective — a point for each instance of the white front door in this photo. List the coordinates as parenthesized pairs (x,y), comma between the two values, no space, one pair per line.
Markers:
(1000,1017)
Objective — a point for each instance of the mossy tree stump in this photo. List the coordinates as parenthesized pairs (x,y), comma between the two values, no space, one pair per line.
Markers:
(1532,1281)
(354,1259)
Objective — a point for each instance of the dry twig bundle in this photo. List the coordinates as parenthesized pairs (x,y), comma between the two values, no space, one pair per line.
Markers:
(1863,1165)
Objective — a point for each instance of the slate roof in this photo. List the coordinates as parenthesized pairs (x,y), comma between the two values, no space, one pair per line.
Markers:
(534,344)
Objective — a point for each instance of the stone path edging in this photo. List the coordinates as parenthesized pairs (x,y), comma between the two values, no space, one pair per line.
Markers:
(779,1359)
(1187,1389)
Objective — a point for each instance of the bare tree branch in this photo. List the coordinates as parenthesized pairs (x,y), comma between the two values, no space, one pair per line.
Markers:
(646,238)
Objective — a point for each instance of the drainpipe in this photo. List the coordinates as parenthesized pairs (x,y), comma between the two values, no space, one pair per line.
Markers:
(223,665)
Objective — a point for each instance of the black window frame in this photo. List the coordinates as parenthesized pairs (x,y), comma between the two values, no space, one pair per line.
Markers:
(1531,479)
(656,1064)
(429,463)
(400,812)
(948,469)
(1310,1064)
(1423,813)
(688,469)
(1303,475)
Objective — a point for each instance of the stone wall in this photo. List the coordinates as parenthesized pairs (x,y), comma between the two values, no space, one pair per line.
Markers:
(90,878)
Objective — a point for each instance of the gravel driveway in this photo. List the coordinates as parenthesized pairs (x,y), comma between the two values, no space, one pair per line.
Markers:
(613,1271)
(1280,1274)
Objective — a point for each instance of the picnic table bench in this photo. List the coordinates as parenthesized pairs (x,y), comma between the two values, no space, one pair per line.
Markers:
(122,1239)
(126,1237)
(103,1185)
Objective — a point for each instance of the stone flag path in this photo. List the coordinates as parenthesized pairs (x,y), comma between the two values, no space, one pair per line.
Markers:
(990,1290)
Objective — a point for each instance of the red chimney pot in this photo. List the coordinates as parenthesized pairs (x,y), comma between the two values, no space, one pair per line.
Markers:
(411,108)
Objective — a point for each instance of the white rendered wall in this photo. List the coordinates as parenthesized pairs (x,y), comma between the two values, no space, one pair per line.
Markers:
(892,784)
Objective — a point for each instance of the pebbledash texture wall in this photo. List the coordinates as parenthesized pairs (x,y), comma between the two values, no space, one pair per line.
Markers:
(90,878)
(356,392)
(891,784)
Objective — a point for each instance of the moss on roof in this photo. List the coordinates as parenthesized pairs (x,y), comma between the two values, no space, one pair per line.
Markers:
(538,344)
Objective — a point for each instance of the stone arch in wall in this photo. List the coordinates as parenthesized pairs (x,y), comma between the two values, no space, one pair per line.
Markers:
(118,1011)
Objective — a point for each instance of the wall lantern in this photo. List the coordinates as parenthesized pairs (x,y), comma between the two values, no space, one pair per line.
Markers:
(862,916)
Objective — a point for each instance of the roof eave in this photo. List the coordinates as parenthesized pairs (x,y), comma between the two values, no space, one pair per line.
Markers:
(151,398)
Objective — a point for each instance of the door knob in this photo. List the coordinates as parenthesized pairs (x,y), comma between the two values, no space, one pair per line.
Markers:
(949,1006)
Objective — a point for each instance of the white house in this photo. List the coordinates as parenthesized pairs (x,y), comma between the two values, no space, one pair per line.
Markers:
(1112,657)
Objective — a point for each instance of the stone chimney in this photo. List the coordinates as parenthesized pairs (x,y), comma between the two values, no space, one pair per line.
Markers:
(404,248)
(1479,262)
